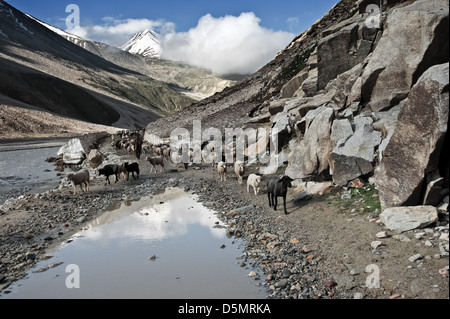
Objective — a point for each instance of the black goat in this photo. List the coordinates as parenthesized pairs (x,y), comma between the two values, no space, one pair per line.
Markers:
(109,170)
(132,168)
(277,187)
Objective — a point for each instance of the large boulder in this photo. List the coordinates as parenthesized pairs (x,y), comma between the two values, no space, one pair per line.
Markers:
(276,106)
(414,149)
(401,219)
(309,86)
(341,130)
(355,156)
(415,38)
(310,157)
(290,88)
(345,84)
(385,122)
(73,152)
(76,150)
(345,46)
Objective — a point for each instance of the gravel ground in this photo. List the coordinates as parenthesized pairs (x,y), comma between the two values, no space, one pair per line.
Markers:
(320,250)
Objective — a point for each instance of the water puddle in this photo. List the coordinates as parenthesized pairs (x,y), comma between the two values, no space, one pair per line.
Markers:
(165,247)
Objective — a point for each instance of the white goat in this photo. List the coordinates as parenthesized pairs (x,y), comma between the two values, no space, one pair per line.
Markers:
(80,178)
(254,181)
(239,169)
(222,171)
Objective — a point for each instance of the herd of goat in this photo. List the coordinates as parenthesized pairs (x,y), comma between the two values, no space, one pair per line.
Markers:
(276,186)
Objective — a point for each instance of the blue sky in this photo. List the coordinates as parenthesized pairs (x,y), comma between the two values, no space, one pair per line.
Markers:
(225,36)
(185,14)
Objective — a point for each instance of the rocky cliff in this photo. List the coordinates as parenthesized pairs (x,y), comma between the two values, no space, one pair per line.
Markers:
(363,94)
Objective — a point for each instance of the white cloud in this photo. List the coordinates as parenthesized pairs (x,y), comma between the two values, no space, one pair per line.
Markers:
(224,45)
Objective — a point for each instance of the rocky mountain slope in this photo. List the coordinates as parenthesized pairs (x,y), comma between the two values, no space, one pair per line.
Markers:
(41,70)
(142,54)
(359,96)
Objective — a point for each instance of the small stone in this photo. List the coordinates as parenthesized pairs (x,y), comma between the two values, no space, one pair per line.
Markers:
(419,235)
(395,296)
(30,256)
(281,284)
(54,265)
(381,234)
(286,273)
(252,274)
(415,258)
(358,295)
(376,244)
(443,272)
(354,272)
(346,196)
(330,284)
(309,248)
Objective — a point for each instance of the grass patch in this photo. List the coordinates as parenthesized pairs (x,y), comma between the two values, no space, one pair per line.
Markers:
(361,201)
(298,64)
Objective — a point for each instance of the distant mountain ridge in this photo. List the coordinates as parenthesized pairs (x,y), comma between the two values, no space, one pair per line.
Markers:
(194,82)
(146,43)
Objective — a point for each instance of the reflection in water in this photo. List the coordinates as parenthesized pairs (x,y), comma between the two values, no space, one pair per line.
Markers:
(167,246)
(165,215)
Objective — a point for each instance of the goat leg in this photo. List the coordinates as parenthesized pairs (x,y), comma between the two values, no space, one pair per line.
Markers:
(284,203)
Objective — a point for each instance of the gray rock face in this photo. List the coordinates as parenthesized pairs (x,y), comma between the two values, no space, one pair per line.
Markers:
(345,84)
(290,88)
(355,156)
(341,130)
(309,86)
(345,46)
(415,147)
(409,45)
(309,157)
(401,219)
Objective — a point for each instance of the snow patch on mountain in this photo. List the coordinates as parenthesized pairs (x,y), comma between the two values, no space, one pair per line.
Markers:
(146,43)
(54,29)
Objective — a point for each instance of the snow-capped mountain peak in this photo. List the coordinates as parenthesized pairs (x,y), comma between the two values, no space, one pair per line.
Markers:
(146,43)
